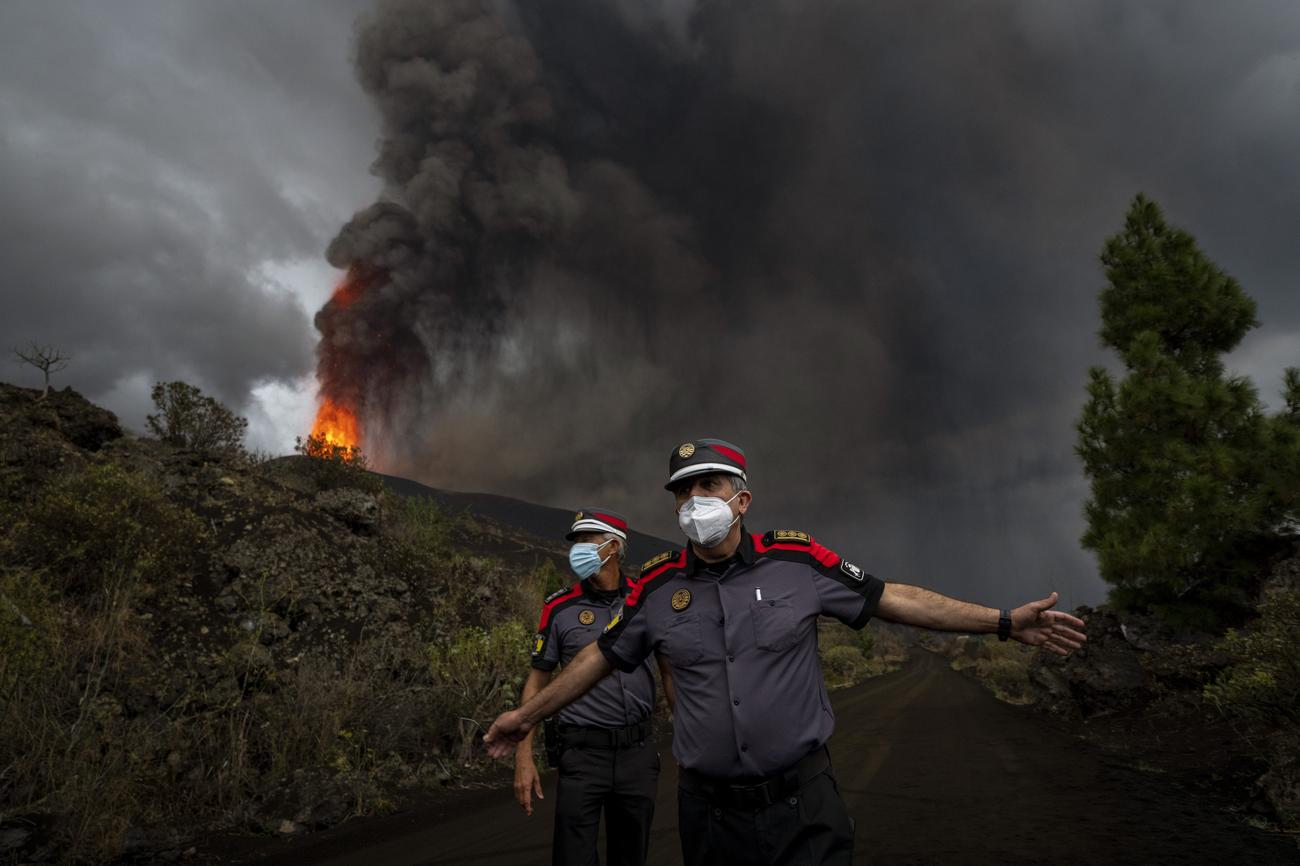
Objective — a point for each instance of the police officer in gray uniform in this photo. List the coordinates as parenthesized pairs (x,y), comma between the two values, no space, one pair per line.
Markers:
(736,615)
(608,761)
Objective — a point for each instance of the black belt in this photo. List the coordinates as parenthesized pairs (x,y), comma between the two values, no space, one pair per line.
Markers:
(586,736)
(757,793)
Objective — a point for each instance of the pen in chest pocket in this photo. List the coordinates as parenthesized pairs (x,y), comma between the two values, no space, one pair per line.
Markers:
(758,594)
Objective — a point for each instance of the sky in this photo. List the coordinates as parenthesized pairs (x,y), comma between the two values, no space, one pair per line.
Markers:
(858,239)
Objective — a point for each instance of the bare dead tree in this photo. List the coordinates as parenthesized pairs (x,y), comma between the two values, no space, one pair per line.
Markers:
(47,359)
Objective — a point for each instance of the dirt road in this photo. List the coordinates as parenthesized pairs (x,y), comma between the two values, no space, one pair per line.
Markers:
(934,770)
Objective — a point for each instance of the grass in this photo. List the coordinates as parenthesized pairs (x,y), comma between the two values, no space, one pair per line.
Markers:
(91,736)
(1002,667)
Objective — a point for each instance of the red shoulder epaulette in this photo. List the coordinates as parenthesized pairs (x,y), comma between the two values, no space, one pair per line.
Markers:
(554,600)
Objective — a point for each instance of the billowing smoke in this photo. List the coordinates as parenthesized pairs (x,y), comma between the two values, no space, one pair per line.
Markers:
(856,238)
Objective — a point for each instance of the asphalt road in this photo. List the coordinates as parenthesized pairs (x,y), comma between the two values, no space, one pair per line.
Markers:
(934,770)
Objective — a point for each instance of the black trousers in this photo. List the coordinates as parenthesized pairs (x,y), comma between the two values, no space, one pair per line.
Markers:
(623,783)
(810,828)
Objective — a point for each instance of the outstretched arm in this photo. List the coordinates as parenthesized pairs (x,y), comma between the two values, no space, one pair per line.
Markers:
(586,669)
(1033,623)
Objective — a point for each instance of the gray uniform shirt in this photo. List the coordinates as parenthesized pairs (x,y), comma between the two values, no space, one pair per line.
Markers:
(571,619)
(751,700)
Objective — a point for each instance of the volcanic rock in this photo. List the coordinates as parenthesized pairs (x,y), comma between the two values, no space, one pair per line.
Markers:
(355,508)
(1103,676)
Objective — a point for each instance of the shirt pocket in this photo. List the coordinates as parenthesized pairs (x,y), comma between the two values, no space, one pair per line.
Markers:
(682,642)
(776,627)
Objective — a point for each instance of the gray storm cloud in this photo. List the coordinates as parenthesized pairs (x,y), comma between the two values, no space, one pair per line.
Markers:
(155,159)
(857,239)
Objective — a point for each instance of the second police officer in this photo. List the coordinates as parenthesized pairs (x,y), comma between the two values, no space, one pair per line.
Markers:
(607,758)
(736,615)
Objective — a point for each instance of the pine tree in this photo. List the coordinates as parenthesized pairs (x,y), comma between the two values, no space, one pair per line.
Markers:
(1176,451)
(1282,485)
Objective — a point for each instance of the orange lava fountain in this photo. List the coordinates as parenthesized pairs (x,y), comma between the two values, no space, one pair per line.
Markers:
(337,425)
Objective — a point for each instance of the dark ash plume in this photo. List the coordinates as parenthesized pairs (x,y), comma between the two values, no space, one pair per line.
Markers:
(829,232)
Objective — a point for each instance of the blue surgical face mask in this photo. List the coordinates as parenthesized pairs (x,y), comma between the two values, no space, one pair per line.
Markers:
(584,558)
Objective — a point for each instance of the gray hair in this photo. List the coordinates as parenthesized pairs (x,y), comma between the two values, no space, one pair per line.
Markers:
(622,543)
(737,483)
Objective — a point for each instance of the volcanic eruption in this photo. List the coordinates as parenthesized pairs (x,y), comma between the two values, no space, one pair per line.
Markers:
(608,227)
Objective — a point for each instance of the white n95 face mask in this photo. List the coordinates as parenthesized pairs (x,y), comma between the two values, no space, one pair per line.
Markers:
(706,520)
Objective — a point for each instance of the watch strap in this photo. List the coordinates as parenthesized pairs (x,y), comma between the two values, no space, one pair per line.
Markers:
(1004,624)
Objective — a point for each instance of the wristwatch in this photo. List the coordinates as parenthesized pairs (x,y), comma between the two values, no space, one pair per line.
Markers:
(1004,624)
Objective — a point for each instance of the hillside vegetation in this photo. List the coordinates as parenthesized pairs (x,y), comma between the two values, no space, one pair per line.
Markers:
(197,638)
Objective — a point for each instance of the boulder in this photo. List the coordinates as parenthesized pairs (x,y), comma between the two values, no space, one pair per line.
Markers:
(83,423)
(355,508)
(1106,675)
(313,798)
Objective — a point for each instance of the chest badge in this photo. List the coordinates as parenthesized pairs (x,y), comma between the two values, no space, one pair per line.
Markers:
(681,599)
(586,617)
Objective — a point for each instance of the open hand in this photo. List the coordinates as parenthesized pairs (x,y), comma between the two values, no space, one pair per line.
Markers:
(527,783)
(1036,625)
(509,728)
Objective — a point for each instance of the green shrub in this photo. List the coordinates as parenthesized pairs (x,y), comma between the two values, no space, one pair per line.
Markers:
(1003,668)
(28,620)
(848,657)
(188,418)
(549,579)
(842,665)
(889,648)
(348,717)
(477,674)
(479,591)
(104,532)
(1263,683)
(421,523)
(866,641)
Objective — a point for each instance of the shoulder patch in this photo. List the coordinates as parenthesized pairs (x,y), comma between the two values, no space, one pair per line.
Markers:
(788,536)
(559,592)
(658,560)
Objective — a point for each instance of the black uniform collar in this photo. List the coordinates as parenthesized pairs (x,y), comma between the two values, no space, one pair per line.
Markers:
(744,553)
(591,591)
